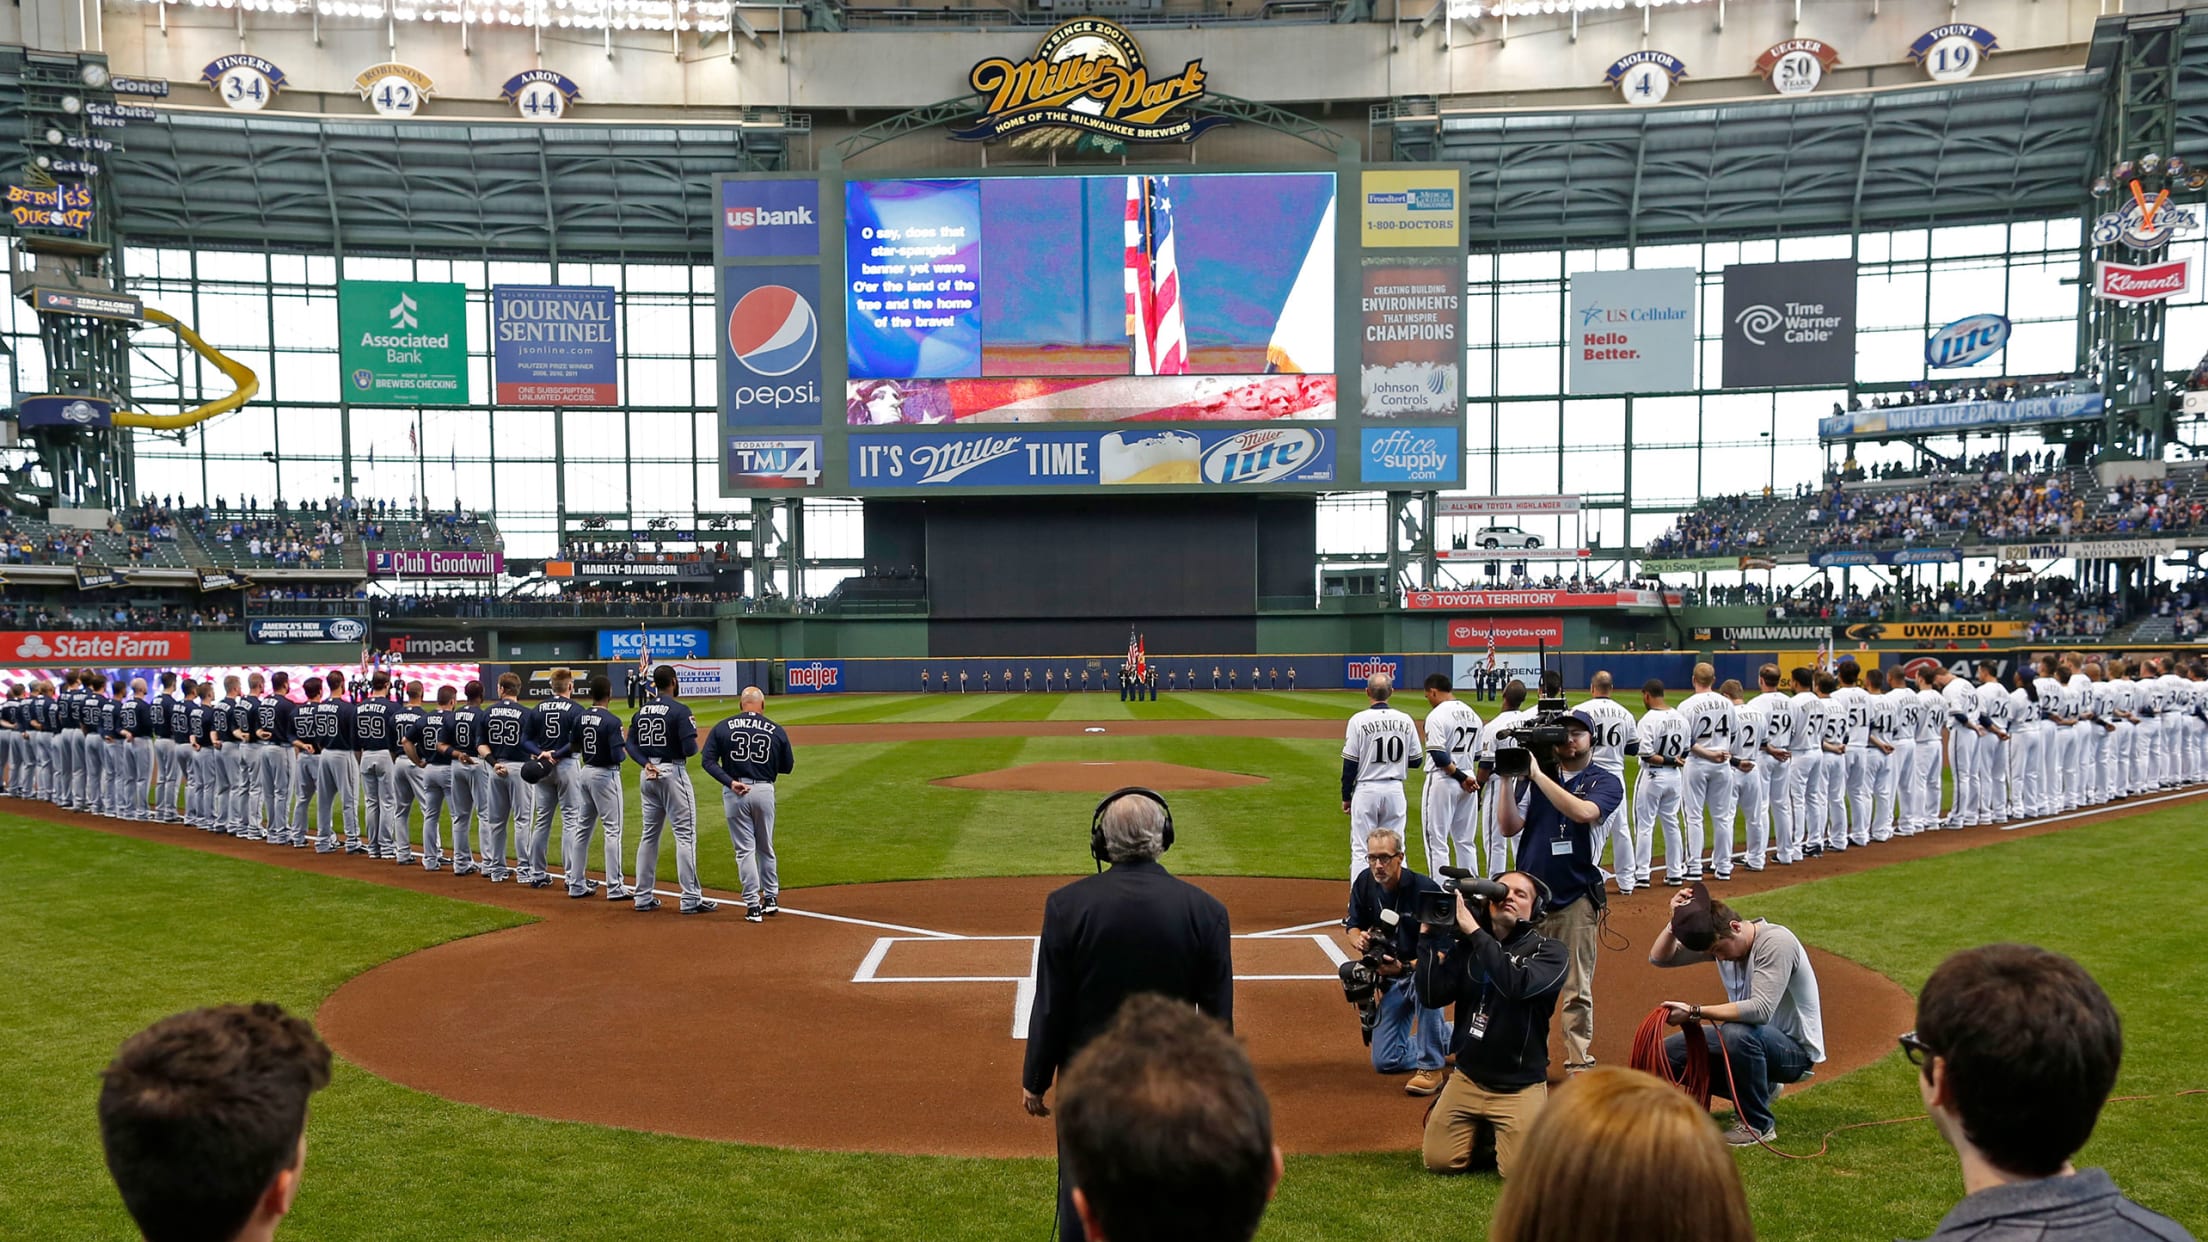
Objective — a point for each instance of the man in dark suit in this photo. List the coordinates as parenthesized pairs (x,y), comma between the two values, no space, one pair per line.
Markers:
(1133,928)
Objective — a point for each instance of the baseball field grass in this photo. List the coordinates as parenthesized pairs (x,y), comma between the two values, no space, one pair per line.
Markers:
(106,933)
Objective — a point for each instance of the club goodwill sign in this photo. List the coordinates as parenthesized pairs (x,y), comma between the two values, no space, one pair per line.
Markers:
(1632,332)
(1789,323)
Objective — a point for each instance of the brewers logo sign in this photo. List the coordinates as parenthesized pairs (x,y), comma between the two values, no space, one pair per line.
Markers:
(1086,74)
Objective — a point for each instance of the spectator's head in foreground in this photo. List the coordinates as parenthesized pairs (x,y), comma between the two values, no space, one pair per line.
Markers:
(2017,1049)
(1608,1148)
(204,1118)
(1165,1132)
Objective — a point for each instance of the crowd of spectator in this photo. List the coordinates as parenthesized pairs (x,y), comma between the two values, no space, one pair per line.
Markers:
(646,552)
(58,615)
(1925,393)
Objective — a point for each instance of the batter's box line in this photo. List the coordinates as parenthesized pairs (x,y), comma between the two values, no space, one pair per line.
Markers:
(1023,998)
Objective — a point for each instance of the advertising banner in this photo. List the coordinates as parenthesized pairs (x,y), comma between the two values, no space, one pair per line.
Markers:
(708,679)
(415,646)
(1516,632)
(2090,549)
(95,646)
(403,342)
(777,462)
(770,346)
(770,219)
(1516,601)
(1481,506)
(1789,323)
(1415,208)
(1411,455)
(555,345)
(675,644)
(96,578)
(813,677)
(305,629)
(1525,666)
(1356,669)
(1413,351)
(2142,282)
(424,563)
(1688,564)
(1961,416)
(1165,457)
(659,571)
(1771,633)
(1934,631)
(1829,557)
(1631,331)
(1512,554)
(59,410)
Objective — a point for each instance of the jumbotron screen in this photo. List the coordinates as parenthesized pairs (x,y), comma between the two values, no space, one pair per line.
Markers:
(1151,330)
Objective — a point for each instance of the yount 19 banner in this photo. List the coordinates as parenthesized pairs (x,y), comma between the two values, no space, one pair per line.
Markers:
(555,345)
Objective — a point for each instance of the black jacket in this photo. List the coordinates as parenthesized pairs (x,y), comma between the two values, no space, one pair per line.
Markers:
(1134,928)
(1515,982)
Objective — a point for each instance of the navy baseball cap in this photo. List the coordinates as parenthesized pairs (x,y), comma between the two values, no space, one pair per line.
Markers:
(1582,719)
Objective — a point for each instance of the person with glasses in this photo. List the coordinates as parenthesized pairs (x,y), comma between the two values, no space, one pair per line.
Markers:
(2016,1049)
(1402,1033)
(1770,1029)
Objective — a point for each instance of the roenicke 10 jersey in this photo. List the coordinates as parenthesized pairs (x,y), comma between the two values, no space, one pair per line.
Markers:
(1383,742)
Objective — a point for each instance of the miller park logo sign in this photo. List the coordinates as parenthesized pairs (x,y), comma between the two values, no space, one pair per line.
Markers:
(1086,75)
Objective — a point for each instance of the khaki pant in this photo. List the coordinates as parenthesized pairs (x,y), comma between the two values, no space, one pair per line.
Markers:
(1574,927)
(1469,1120)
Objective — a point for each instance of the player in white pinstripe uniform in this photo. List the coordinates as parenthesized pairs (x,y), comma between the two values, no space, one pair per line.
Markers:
(1750,729)
(1830,819)
(1449,802)
(1611,730)
(1931,724)
(1903,708)
(1775,764)
(1709,776)
(1885,756)
(1661,744)
(1378,746)
(1805,781)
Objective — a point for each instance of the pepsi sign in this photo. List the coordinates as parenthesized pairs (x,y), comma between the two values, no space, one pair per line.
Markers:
(770,219)
(770,359)
(1966,342)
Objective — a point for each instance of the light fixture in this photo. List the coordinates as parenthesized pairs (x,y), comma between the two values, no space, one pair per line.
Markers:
(54,135)
(93,74)
(71,104)
(2149,162)
(2101,186)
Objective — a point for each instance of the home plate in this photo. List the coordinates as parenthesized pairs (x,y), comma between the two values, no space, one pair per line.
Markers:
(1094,729)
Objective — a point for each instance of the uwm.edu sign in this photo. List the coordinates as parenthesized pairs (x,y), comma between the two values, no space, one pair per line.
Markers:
(94,646)
(1516,633)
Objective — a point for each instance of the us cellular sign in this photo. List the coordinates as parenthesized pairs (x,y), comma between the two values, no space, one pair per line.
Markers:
(1632,331)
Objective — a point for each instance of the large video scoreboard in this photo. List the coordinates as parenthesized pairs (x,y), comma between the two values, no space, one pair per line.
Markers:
(1142,329)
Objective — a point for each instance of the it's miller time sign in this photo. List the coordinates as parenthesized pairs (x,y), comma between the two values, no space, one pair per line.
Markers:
(1086,74)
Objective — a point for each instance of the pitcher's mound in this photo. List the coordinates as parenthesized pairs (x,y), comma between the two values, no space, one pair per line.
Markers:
(1099,778)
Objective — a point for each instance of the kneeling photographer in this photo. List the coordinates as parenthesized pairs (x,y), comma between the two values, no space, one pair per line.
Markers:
(1503,977)
(1383,927)
(1554,798)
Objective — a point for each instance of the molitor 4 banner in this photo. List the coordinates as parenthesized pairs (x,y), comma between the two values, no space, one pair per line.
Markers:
(1789,323)
(813,677)
(770,347)
(555,345)
(1632,331)
(403,342)
(1413,351)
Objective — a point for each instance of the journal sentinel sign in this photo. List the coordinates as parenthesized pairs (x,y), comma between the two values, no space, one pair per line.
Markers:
(814,677)
(554,345)
(686,644)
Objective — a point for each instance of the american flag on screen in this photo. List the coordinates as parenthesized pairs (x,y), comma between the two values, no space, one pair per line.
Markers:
(1153,285)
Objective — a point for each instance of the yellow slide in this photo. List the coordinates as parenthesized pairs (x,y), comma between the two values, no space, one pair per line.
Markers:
(248,384)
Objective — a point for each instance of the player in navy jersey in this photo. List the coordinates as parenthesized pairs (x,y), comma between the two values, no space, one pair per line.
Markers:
(598,748)
(506,728)
(662,737)
(372,731)
(552,728)
(745,753)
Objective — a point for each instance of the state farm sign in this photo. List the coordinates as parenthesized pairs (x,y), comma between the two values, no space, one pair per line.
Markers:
(1515,633)
(2142,282)
(94,646)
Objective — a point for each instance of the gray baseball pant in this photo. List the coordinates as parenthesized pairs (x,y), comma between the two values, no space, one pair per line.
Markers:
(598,795)
(137,754)
(340,782)
(245,783)
(466,800)
(751,830)
(166,765)
(556,792)
(436,791)
(505,796)
(377,776)
(406,792)
(306,778)
(214,783)
(65,788)
(669,798)
(279,771)
(92,779)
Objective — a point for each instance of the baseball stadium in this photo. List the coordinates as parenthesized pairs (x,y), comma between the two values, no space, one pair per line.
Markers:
(1314,619)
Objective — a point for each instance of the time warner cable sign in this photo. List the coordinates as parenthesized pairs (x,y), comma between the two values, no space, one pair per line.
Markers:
(1789,323)
(555,345)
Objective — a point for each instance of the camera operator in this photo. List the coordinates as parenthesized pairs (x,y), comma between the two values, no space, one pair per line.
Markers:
(1380,984)
(1503,977)
(1556,843)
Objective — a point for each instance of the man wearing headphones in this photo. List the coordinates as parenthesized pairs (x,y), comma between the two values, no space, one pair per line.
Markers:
(1553,817)
(1133,928)
(1503,977)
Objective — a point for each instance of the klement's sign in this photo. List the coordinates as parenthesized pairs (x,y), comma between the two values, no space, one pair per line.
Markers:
(1086,74)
